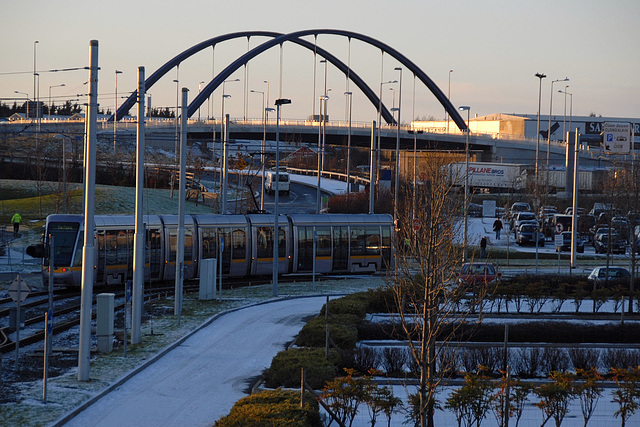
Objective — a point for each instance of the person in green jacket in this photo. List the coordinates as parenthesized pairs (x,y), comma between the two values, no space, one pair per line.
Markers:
(15,220)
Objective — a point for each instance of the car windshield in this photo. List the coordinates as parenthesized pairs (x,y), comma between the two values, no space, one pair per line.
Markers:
(478,269)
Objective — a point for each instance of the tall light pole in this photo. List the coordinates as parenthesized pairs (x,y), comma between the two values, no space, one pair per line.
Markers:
(35,74)
(566,79)
(177,82)
(466,185)
(264,138)
(540,76)
(50,105)
(397,183)
(115,113)
(350,100)
(570,106)
(564,121)
(321,136)
(371,185)
(393,102)
(276,230)
(199,90)
(449,98)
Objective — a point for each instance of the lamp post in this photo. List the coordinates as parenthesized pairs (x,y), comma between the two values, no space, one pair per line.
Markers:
(449,98)
(371,185)
(223,93)
(199,90)
(397,183)
(466,184)
(50,105)
(264,138)
(570,106)
(177,82)
(564,121)
(415,173)
(321,136)
(26,106)
(393,102)
(350,100)
(276,233)
(540,76)
(35,74)
(115,113)
(566,79)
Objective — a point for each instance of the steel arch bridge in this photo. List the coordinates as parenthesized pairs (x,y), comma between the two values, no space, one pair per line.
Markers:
(295,37)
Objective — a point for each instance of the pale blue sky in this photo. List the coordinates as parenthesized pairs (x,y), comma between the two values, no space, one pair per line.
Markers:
(494,47)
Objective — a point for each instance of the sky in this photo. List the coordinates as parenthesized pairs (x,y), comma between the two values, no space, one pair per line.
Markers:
(494,48)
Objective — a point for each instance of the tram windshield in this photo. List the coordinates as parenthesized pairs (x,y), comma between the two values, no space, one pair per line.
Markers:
(64,240)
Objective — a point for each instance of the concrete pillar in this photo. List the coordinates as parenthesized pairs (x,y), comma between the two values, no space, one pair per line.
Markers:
(104,322)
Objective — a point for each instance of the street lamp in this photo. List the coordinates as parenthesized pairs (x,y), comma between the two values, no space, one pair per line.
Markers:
(264,138)
(199,90)
(449,98)
(35,74)
(225,96)
(177,82)
(393,102)
(397,183)
(321,142)
(276,233)
(350,99)
(50,105)
(564,121)
(565,106)
(566,79)
(415,168)
(115,114)
(466,184)
(540,76)
(371,185)
(26,109)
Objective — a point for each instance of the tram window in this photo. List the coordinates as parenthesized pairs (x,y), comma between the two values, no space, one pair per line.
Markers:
(373,240)
(357,238)
(324,241)
(209,245)
(239,244)
(264,242)
(305,248)
(111,247)
(173,244)
(188,244)
(386,244)
(64,239)
(282,243)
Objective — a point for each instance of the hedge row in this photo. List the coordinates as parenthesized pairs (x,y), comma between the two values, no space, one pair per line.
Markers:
(273,408)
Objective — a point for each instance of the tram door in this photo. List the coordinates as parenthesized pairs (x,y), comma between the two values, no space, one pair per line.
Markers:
(340,248)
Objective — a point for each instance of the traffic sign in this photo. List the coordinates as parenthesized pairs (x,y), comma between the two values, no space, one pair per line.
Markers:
(559,228)
(416,224)
(24,290)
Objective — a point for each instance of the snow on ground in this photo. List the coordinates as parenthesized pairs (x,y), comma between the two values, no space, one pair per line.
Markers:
(199,381)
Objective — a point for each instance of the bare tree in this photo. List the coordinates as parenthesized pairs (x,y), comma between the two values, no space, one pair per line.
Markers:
(427,294)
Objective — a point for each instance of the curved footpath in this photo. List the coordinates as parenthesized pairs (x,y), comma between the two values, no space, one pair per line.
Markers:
(199,380)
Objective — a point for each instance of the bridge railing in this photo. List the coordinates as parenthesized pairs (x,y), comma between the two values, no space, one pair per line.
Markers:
(331,175)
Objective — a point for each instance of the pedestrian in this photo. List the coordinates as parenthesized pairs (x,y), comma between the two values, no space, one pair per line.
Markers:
(483,247)
(497,226)
(15,220)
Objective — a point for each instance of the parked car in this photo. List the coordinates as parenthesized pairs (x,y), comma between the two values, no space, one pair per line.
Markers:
(599,275)
(519,218)
(602,245)
(566,243)
(475,210)
(478,273)
(527,233)
(518,207)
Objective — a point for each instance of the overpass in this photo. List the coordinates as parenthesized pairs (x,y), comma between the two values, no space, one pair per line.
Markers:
(161,133)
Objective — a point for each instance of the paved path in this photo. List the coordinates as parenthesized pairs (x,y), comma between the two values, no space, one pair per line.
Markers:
(199,381)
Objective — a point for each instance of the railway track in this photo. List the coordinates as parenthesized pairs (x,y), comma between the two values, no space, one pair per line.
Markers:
(66,313)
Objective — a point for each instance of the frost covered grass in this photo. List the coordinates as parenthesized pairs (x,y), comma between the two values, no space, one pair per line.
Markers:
(160,332)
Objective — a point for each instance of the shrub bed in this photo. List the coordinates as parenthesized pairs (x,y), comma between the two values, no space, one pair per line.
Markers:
(285,368)
(273,408)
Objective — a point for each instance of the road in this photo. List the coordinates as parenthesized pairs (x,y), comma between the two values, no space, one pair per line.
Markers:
(199,381)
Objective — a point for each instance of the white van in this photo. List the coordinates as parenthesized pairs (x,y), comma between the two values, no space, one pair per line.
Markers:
(270,182)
